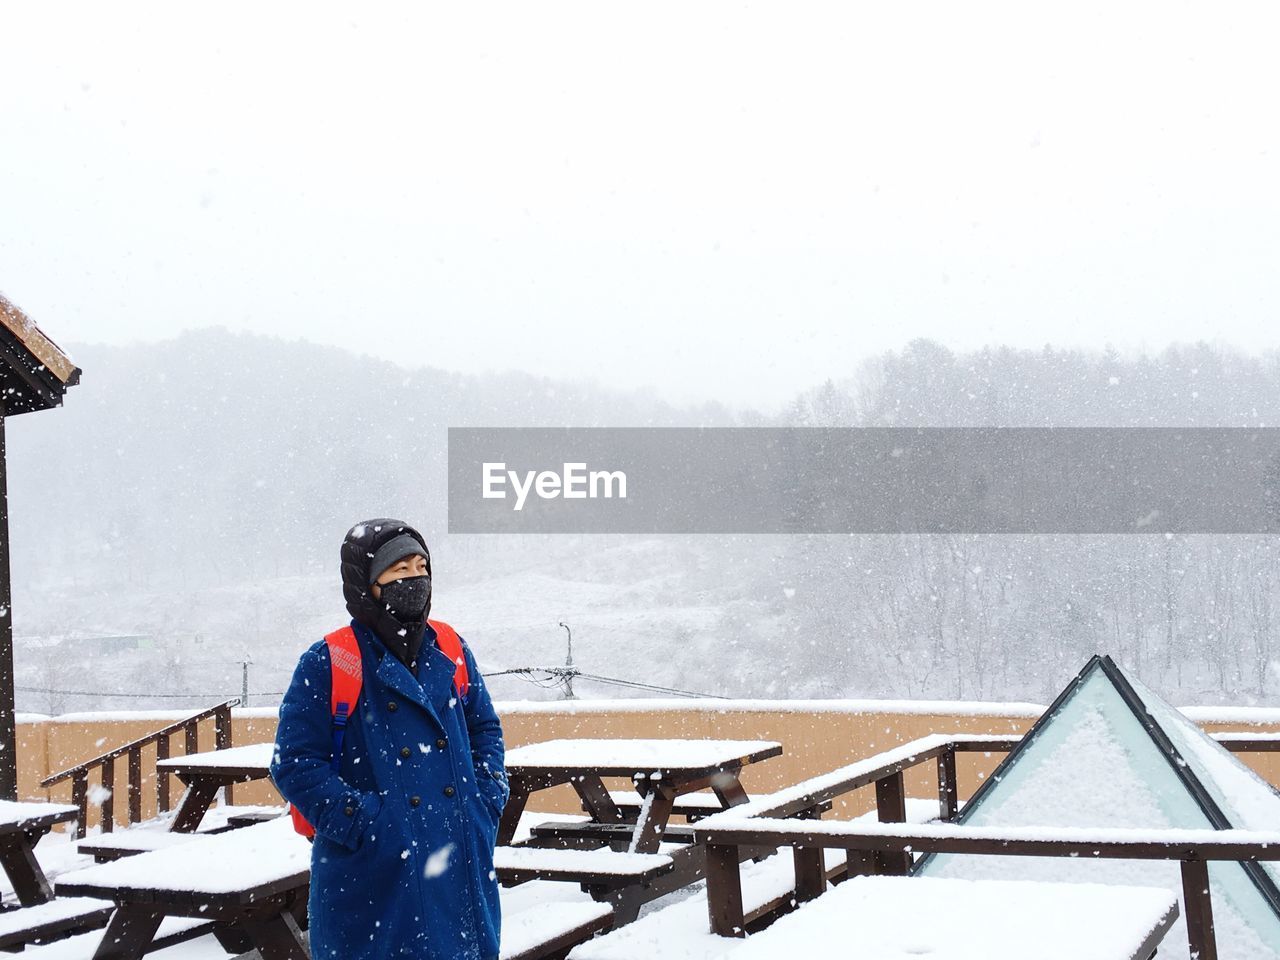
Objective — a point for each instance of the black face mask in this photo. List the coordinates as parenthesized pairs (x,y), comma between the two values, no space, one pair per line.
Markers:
(406,599)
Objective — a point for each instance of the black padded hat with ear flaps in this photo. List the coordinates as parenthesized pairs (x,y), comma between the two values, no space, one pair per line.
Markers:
(359,549)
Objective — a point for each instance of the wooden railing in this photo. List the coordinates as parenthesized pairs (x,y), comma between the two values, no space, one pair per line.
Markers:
(79,774)
(779,820)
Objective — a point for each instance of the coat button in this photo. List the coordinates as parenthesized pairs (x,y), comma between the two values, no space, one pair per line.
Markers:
(448,791)
(441,743)
(414,801)
(349,811)
(393,706)
(406,752)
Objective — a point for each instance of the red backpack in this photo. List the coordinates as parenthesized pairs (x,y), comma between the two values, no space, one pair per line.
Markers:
(347,675)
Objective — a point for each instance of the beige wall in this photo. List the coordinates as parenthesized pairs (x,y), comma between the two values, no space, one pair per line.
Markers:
(814,738)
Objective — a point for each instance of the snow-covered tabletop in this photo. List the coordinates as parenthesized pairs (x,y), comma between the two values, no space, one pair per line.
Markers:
(16,815)
(877,918)
(628,757)
(262,855)
(253,756)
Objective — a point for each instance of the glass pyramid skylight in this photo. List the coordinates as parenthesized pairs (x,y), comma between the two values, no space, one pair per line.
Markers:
(1110,753)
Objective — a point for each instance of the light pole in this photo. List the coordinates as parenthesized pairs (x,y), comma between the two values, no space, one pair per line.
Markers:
(568,662)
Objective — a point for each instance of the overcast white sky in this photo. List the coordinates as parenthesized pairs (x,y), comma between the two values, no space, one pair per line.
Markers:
(730,201)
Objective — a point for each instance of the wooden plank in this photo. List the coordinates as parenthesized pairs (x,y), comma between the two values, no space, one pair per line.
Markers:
(108,805)
(129,933)
(57,813)
(595,798)
(891,807)
(558,944)
(1196,897)
(724,891)
(652,820)
(195,802)
(135,785)
(1090,847)
(948,789)
(277,937)
(80,799)
(278,893)
(810,870)
(17,855)
(510,819)
(222,741)
(162,775)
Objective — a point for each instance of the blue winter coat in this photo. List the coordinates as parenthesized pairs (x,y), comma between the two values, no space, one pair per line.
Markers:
(402,863)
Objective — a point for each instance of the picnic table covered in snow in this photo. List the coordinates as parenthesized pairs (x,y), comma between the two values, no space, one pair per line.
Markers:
(22,824)
(252,880)
(661,770)
(204,774)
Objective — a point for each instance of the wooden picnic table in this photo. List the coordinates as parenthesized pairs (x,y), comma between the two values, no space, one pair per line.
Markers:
(252,883)
(661,770)
(21,827)
(204,774)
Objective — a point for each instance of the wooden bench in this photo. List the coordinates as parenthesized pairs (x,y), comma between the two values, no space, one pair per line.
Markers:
(150,836)
(549,928)
(52,920)
(131,843)
(253,882)
(690,805)
(172,931)
(601,869)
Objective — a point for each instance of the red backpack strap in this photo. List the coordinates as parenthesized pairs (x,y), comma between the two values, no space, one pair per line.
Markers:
(451,646)
(346,671)
(346,678)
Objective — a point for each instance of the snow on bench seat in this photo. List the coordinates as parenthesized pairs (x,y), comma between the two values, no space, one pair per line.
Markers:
(173,930)
(585,866)
(126,843)
(49,919)
(548,928)
(969,920)
(222,865)
(682,932)
(702,800)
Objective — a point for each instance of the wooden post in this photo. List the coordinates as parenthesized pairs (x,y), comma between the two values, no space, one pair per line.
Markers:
(811,873)
(222,741)
(162,775)
(108,795)
(724,891)
(948,793)
(1199,910)
(891,807)
(135,786)
(8,732)
(80,797)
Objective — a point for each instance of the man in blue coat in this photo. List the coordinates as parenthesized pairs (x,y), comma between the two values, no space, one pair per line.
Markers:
(402,861)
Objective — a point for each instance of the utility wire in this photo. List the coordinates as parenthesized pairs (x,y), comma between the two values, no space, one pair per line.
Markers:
(552,678)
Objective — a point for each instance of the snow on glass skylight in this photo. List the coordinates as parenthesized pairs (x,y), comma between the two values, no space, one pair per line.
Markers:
(1092,761)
